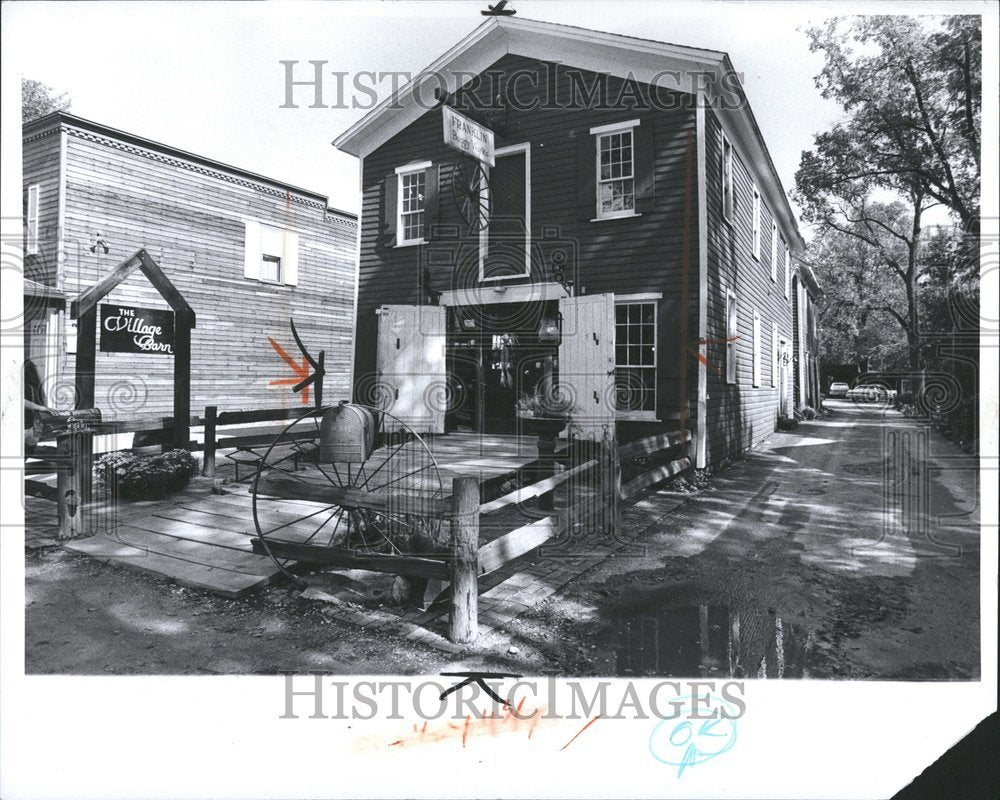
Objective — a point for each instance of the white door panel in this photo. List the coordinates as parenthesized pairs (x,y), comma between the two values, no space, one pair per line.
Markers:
(587,363)
(411,365)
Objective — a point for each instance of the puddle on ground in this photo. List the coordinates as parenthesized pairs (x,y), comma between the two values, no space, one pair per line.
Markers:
(708,641)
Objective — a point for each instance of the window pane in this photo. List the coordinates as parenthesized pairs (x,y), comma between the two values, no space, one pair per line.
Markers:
(411,206)
(270,269)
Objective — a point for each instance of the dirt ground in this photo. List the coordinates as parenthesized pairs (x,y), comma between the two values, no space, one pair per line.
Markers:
(780,569)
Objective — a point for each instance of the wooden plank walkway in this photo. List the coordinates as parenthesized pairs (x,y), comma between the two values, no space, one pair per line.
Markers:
(203,540)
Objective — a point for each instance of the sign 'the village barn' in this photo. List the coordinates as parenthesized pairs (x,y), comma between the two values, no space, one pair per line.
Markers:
(129,329)
(468,137)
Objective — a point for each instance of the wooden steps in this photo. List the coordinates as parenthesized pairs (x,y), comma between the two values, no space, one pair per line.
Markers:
(216,579)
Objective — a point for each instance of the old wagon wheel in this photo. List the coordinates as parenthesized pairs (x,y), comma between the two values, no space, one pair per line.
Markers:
(470,192)
(303,504)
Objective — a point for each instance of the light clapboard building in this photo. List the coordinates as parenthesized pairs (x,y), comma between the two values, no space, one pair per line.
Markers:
(247,253)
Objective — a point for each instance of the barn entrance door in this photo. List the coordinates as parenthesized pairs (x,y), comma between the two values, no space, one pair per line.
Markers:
(411,366)
(587,363)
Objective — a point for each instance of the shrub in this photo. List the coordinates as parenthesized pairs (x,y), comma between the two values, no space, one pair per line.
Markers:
(806,412)
(128,476)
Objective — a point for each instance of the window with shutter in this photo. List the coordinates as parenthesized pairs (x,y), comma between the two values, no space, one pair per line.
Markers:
(788,274)
(411,204)
(756,347)
(732,334)
(756,223)
(34,196)
(726,173)
(271,254)
(774,251)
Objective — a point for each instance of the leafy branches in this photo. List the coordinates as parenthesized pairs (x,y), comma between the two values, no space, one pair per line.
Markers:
(911,91)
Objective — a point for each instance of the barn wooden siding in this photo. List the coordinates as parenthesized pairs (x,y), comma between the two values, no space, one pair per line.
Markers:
(740,415)
(190,218)
(40,160)
(623,256)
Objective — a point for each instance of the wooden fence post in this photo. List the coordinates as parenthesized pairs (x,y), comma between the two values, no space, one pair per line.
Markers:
(74,481)
(463,620)
(208,467)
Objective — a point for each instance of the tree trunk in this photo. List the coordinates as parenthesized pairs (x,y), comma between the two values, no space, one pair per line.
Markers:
(913,311)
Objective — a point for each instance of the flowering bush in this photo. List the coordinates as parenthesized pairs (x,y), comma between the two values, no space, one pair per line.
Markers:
(128,476)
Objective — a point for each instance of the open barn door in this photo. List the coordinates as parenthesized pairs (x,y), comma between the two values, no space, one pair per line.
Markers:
(411,365)
(587,363)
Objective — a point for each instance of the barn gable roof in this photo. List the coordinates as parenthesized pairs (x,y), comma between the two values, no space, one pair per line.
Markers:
(672,66)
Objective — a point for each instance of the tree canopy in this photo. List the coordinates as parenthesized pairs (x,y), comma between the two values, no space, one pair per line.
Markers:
(38,99)
(911,90)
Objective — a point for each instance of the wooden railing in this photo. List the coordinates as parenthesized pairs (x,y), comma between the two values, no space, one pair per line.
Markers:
(466,560)
(668,453)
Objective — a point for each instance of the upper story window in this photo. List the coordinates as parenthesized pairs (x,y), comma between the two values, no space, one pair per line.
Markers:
(616,194)
(774,251)
(31,219)
(788,274)
(635,359)
(726,169)
(412,204)
(270,269)
(271,254)
(756,223)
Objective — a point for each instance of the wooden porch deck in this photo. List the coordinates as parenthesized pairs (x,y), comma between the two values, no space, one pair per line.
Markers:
(203,540)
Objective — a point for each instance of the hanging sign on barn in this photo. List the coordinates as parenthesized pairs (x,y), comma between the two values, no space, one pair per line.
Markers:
(129,329)
(468,137)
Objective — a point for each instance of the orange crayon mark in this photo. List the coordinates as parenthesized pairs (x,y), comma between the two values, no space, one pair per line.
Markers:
(579,732)
(301,372)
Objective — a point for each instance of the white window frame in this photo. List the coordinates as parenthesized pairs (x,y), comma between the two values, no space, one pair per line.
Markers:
(756,347)
(788,275)
(774,354)
(756,223)
(281,269)
(31,218)
(726,177)
(774,251)
(646,298)
(484,234)
(401,172)
(261,239)
(599,132)
(732,337)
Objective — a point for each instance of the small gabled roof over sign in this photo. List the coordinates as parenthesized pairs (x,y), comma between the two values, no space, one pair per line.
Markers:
(89,298)
(670,66)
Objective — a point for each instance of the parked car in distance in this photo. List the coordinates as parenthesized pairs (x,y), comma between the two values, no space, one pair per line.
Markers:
(838,389)
(870,393)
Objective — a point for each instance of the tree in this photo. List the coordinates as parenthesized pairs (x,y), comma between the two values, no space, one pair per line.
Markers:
(857,268)
(38,99)
(912,90)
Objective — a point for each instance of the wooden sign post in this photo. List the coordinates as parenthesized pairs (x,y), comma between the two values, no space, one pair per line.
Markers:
(84,310)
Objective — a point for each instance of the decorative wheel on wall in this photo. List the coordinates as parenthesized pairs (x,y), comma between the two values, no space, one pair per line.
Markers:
(319,487)
(470,192)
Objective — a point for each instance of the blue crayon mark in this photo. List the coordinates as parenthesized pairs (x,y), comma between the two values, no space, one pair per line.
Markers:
(683,743)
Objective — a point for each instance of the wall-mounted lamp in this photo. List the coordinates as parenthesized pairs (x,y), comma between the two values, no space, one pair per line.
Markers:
(550,329)
(100,242)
